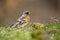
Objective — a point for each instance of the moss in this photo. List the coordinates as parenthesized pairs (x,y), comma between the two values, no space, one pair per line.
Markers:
(34,31)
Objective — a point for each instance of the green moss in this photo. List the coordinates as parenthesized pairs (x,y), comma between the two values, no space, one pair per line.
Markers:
(14,34)
(34,31)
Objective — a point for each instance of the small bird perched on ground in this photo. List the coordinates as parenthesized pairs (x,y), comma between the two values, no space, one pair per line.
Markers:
(22,21)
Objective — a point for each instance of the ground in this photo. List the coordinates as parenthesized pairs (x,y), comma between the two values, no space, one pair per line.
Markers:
(35,31)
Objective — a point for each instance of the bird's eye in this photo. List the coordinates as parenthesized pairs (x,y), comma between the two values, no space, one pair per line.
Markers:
(27,13)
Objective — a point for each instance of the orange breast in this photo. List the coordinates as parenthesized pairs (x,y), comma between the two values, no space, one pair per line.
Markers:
(27,18)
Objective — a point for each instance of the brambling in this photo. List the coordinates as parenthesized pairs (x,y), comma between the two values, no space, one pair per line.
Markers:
(23,20)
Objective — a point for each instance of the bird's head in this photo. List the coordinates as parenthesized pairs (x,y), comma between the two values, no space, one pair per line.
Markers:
(26,13)
(27,17)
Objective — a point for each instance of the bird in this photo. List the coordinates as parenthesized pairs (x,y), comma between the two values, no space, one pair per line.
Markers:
(23,20)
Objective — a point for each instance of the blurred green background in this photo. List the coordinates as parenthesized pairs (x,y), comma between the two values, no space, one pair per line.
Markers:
(35,31)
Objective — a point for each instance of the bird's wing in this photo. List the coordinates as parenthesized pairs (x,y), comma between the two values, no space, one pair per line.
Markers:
(15,24)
